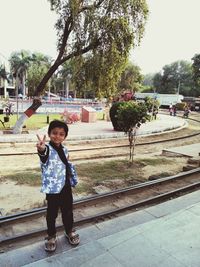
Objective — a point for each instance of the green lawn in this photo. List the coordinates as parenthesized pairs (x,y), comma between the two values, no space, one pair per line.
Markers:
(36,121)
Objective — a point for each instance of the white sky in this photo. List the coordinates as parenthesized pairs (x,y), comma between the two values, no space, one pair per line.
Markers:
(171,34)
(172,31)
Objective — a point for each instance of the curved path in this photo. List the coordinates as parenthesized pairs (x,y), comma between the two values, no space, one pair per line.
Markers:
(102,129)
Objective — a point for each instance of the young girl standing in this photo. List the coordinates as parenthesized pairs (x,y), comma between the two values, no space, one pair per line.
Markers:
(57,183)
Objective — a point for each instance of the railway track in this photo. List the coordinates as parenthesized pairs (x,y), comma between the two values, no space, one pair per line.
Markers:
(16,228)
(109,147)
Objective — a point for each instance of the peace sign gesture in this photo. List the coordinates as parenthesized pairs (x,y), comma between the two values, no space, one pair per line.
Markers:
(41,143)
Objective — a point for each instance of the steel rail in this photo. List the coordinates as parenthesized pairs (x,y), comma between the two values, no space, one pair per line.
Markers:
(114,196)
(87,200)
(115,146)
(109,147)
(108,214)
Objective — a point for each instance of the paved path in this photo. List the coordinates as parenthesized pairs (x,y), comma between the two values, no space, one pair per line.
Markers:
(102,129)
(165,235)
(188,150)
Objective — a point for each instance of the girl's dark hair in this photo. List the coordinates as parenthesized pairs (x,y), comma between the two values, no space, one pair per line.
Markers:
(58,124)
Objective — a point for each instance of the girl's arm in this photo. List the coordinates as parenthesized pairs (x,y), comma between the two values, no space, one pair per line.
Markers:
(43,150)
(44,154)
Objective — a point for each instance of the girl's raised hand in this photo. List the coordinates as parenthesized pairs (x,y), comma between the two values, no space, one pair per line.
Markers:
(41,143)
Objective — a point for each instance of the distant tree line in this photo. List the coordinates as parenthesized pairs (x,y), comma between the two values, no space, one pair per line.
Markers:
(178,77)
(86,79)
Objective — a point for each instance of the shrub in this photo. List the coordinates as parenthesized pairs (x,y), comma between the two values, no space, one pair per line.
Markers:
(130,116)
(113,115)
(181,106)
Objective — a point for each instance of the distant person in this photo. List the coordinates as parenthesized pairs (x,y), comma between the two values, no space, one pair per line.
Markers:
(186,112)
(155,112)
(170,109)
(58,176)
(174,110)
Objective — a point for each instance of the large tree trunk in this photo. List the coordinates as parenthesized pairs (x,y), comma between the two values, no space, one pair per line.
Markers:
(59,61)
(36,102)
(27,114)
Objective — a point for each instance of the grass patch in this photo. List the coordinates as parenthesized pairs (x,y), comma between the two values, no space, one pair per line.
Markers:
(156,161)
(29,177)
(36,121)
(106,170)
(113,174)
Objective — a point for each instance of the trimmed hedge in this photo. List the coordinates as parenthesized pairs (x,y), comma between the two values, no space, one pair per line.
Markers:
(113,115)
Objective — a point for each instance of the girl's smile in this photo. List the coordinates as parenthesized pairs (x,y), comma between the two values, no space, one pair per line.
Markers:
(57,135)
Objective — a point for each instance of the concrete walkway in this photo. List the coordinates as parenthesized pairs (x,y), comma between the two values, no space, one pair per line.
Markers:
(102,129)
(165,235)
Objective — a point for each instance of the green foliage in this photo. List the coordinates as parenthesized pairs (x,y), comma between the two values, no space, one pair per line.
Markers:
(151,104)
(131,114)
(113,115)
(196,75)
(34,75)
(148,80)
(105,30)
(19,61)
(3,73)
(181,106)
(131,78)
(35,122)
(28,68)
(176,78)
(31,177)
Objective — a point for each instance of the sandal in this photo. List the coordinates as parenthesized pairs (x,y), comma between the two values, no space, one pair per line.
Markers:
(73,238)
(50,243)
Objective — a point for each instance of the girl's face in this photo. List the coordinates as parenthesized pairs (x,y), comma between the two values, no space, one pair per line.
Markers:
(57,135)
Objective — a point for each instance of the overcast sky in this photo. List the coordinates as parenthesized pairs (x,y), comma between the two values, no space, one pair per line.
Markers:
(172,31)
(171,34)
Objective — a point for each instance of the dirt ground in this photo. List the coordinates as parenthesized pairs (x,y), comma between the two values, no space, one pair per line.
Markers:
(19,197)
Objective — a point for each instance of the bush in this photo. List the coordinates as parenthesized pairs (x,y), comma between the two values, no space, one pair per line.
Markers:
(132,114)
(181,106)
(113,115)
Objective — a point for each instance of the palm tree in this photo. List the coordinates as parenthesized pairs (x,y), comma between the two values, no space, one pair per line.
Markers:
(3,78)
(19,63)
(39,65)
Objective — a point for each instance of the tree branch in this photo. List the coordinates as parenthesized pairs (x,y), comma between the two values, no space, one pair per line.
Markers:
(67,30)
(89,7)
(80,52)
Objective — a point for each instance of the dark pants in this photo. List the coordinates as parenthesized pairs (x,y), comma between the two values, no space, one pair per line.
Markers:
(64,201)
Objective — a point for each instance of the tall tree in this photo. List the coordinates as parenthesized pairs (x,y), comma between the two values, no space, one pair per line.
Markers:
(92,26)
(3,78)
(38,66)
(131,78)
(147,82)
(175,78)
(19,62)
(196,74)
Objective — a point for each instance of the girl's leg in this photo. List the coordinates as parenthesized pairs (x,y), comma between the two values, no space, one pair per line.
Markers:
(52,213)
(66,206)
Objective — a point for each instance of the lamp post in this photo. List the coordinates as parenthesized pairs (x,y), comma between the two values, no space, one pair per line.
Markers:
(17,92)
(5,80)
(67,85)
(179,81)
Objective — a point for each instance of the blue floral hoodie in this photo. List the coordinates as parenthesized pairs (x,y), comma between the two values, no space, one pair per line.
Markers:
(54,172)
